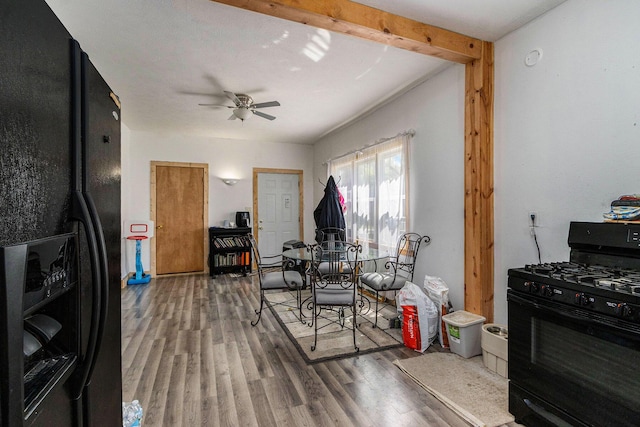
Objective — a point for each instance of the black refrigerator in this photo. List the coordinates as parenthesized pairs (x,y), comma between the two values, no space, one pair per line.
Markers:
(60,228)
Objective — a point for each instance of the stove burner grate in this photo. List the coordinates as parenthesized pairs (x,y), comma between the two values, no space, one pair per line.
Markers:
(616,279)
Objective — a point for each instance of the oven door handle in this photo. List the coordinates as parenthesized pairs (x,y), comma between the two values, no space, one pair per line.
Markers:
(568,312)
(548,306)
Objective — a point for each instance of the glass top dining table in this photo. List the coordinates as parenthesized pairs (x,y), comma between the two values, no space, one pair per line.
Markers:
(367,254)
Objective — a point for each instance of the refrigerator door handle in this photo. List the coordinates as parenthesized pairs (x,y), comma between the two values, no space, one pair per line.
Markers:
(104,280)
(102,286)
(81,213)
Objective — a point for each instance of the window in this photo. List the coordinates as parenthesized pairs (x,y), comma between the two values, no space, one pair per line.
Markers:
(373,182)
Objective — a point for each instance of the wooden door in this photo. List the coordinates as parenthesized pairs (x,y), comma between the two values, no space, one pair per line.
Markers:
(180,217)
(278,210)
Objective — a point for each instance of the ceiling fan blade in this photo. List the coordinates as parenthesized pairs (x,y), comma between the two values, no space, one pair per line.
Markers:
(217,105)
(263,115)
(266,104)
(232,96)
(232,117)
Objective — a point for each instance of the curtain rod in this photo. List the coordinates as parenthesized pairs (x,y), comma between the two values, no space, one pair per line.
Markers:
(409,132)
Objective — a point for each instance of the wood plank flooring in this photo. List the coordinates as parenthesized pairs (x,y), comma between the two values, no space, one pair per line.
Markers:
(191,357)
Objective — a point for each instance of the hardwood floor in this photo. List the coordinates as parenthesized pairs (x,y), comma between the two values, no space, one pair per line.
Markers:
(191,357)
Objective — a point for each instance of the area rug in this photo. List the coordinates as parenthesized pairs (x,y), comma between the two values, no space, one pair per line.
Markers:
(334,342)
(476,394)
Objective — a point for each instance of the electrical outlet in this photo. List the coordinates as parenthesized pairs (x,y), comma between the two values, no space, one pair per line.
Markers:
(533,219)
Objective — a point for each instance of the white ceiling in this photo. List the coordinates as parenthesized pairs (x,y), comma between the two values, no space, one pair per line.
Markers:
(164,57)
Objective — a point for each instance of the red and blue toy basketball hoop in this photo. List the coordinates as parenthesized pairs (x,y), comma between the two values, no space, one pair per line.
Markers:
(139,231)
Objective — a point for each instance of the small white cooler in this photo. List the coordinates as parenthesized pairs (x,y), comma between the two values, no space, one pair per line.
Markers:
(464,330)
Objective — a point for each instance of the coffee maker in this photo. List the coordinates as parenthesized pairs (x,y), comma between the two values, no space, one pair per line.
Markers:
(242,219)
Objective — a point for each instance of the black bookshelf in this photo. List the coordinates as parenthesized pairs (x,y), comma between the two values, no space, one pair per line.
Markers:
(229,250)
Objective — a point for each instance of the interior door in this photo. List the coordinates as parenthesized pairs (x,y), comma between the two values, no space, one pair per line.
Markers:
(278,211)
(180,217)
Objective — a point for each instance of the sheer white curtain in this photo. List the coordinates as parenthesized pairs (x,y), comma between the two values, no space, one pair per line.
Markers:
(374,182)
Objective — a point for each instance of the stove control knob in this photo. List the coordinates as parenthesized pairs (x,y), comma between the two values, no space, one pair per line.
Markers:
(547,291)
(585,299)
(581,299)
(533,287)
(623,310)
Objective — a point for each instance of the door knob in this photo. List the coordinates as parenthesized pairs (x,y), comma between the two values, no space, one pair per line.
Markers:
(259,228)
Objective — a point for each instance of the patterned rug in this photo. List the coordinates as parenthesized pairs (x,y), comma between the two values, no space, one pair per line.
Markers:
(334,342)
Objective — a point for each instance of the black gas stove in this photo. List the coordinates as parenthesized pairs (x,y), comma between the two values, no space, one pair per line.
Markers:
(598,288)
(573,327)
(603,274)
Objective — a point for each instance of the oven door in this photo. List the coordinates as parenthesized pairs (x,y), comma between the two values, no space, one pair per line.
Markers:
(571,367)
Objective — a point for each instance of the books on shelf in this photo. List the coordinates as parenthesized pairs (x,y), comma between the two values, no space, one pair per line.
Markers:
(231,259)
(230,242)
(229,251)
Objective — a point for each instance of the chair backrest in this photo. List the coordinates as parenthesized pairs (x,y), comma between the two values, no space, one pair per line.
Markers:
(256,252)
(269,262)
(406,254)
(335,264)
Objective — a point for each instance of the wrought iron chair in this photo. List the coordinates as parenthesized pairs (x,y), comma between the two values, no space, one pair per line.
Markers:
(273,276)
(334,288)
(330,238)
(399,268)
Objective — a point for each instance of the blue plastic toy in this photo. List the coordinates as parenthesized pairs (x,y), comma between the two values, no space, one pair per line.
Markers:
(140,278)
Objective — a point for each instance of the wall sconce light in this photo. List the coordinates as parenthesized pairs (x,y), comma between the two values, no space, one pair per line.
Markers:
(229,181)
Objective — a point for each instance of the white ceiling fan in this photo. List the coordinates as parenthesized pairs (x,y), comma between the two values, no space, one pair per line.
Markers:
(244,106)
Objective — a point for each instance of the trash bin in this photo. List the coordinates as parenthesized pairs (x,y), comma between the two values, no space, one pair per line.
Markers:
(464,330)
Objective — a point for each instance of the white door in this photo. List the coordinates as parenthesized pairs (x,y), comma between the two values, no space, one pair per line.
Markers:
(278,211)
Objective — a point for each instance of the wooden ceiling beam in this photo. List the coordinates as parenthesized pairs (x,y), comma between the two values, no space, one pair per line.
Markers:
(355,19)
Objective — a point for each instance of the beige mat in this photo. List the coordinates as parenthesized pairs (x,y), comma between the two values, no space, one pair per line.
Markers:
(464,385)
(334,342)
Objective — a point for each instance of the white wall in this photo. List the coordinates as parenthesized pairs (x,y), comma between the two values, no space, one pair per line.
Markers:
(226,158)
(567,130)
(435,110)
(566,139)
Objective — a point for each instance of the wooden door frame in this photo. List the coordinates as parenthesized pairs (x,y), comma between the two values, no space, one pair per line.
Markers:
(256,217)
(205,209)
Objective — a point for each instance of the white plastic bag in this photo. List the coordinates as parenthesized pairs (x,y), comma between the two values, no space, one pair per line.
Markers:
(438,292)
(419,317)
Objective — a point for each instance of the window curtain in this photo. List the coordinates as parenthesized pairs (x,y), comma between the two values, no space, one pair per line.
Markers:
(374,183)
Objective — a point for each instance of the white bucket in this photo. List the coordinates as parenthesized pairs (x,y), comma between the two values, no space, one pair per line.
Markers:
(464,332)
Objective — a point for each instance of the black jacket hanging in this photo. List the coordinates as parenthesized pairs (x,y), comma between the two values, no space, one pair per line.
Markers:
(328,213)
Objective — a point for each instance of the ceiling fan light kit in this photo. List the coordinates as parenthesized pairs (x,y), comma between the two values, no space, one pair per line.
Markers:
(241,113)
(244,106)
